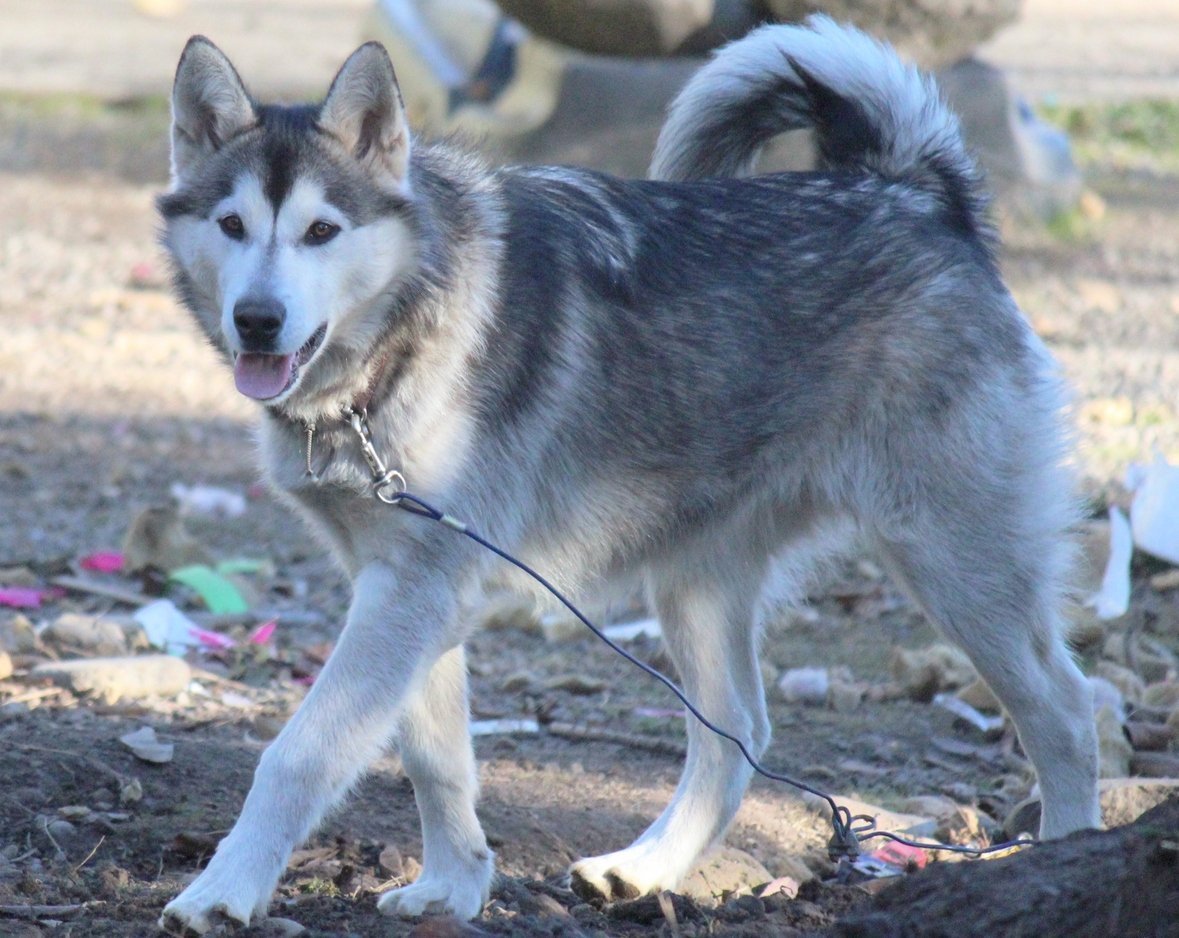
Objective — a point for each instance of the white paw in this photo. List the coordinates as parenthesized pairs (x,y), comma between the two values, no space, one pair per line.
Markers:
(213,898)
(460,891)
(626,874)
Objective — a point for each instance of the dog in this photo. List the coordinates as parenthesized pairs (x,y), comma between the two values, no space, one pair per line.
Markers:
(684,379)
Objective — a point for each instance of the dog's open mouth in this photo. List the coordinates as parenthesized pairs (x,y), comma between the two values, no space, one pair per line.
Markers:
(263,377)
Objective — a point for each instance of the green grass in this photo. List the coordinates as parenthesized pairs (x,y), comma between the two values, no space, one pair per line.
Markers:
(81,106)
(1131,135)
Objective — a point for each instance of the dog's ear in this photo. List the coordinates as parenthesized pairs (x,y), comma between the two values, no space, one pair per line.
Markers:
(364,112)
(209,104)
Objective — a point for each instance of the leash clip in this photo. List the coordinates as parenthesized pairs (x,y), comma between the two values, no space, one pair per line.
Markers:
(388,484)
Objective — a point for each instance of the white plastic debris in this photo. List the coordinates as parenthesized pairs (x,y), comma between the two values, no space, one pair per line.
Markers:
(1113,599)
(167,627)
(145,746)
(1154,513)
(987,725)
(208,500)
(503,727)
(805,685)
(630,631)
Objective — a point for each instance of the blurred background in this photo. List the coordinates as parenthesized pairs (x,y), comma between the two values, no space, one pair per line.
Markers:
(126,455)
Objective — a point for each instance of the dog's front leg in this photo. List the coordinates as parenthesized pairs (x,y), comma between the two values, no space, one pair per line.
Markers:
(397,627)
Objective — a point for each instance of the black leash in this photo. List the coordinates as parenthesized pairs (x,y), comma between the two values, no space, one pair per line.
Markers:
(847,829)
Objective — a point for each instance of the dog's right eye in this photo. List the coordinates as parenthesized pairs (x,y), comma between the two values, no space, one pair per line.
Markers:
(232,227)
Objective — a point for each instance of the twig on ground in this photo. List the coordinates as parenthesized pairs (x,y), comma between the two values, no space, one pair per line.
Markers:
(90,854)
(632,740)
(61,854)
(83,585)
(43,911)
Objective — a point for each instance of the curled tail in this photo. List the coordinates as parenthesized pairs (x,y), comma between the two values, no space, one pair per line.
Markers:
(870,111)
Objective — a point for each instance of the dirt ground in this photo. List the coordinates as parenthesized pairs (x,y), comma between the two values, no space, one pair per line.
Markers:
(107,398)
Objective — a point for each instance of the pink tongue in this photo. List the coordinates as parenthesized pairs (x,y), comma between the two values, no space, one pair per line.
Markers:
(262,376)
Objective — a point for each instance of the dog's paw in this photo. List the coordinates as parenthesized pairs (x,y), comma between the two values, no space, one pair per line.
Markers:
(626,874)
(210,901)
(436,895)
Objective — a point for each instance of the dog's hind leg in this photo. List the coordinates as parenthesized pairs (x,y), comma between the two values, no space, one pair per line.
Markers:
(436,751)
(707,618)
(394,635)
(984,562)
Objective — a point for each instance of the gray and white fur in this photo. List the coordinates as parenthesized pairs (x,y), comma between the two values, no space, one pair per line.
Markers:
(684,380)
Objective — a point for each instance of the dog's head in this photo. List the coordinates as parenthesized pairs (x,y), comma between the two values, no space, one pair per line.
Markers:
(287,225)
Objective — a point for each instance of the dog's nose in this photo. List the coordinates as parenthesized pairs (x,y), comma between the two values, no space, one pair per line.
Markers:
(258,321)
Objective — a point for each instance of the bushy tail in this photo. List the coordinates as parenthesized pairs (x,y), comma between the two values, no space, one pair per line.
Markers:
(870,112)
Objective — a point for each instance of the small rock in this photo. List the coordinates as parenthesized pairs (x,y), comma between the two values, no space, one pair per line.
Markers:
(390,862)
(444,926)
(506,610)
(1163,695)
(1166,581)
(1114,750)
(844,697)
(144,744)
(1149,737)
(120,678)
(61,828)
(795,868)
(804,685)
(131,792)
(727,871)
(518,682)
(979,695)
(581,685)
(158,538)
(1126,681)
(1155,764)
(5,665)
(18,635)
(97,634)
(266,726)
(560,627)
(279,928)
(922,672)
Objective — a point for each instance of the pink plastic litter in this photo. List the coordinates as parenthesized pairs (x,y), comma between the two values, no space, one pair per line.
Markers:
(108,561)
(212,639)
(21,597)
(262,634)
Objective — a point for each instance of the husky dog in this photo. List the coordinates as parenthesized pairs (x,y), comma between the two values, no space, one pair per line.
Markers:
(682,378)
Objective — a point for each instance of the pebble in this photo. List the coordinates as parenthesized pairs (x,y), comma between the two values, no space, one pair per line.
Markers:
(725,872)
(97,634)
(120,678)
(1114,750)
(1132,687)
(279,928)
(18,635)
(922,672)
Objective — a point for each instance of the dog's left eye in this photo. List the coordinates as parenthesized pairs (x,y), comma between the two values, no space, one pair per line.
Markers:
(321,232)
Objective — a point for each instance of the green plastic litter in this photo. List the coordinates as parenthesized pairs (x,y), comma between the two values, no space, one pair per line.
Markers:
(218,593)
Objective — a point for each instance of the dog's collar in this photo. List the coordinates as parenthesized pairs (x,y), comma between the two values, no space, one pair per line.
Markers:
(356,416)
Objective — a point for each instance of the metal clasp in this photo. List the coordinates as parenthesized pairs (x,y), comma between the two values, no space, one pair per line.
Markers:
(388,484)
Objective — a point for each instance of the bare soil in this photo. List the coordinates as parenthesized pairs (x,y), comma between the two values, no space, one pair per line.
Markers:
(107,397)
